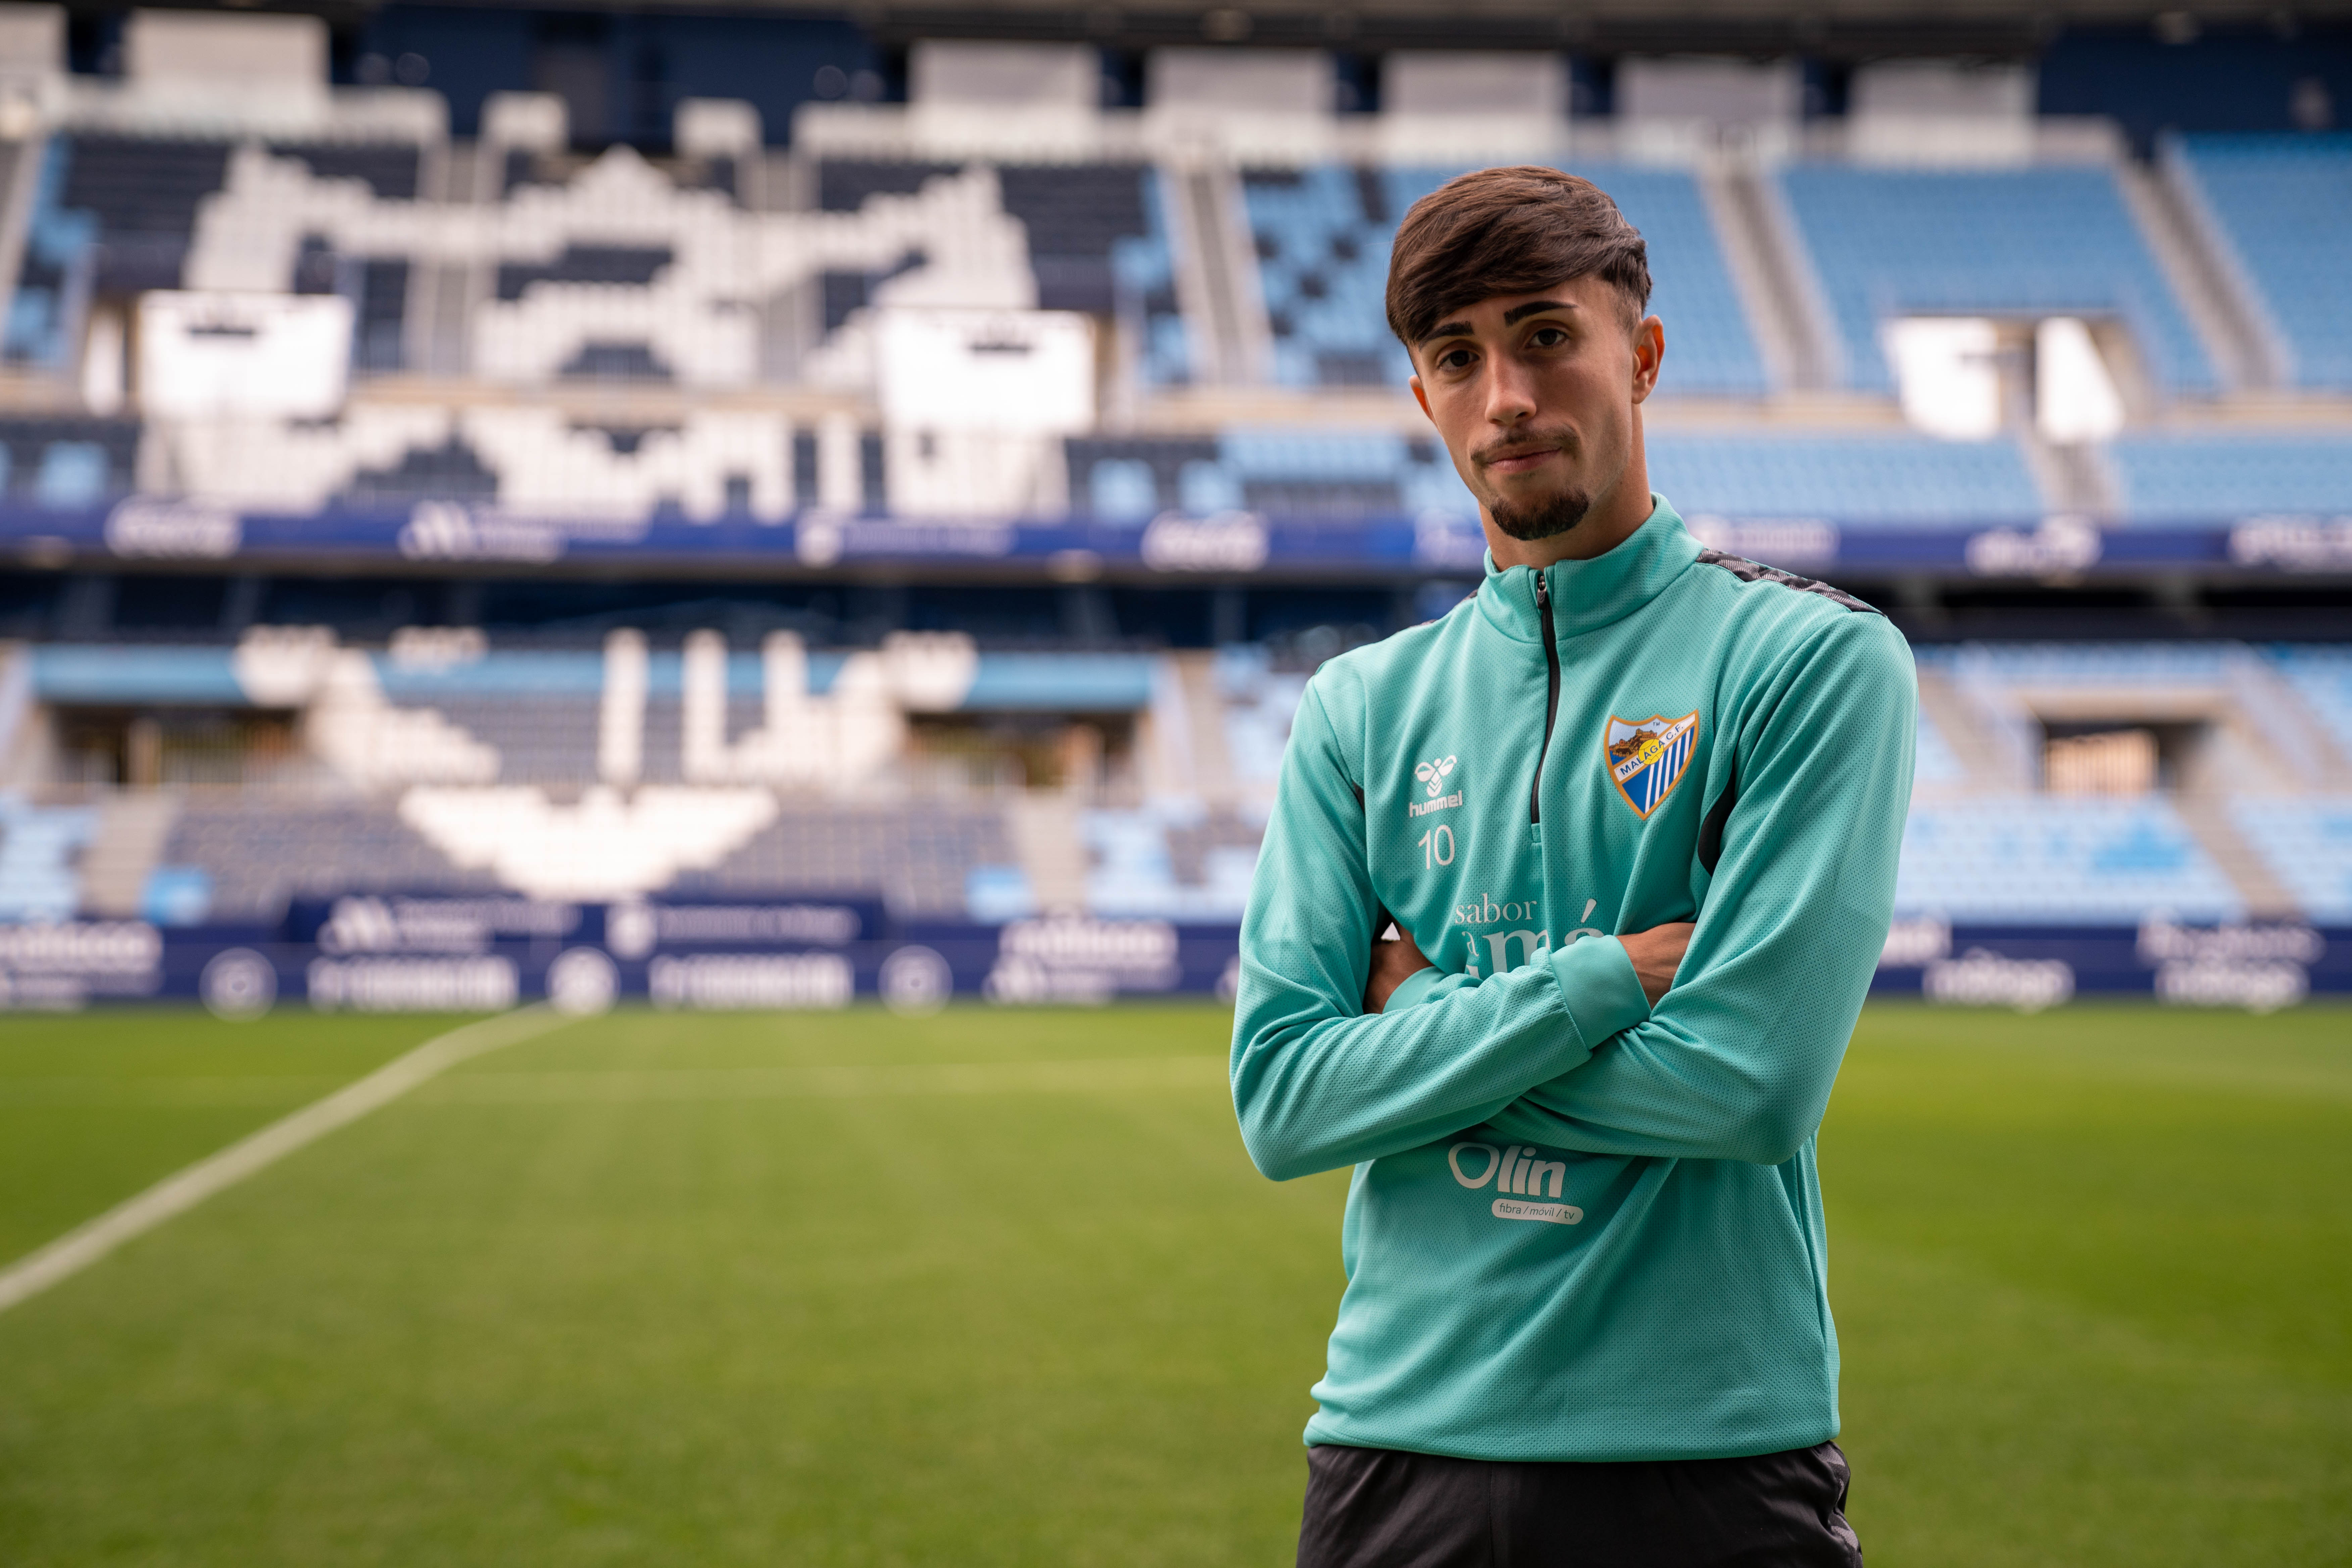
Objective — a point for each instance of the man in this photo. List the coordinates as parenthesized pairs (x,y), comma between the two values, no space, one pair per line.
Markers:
(1639,804)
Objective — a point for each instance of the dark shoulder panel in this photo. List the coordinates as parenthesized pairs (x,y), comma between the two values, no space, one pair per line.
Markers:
(1748,571)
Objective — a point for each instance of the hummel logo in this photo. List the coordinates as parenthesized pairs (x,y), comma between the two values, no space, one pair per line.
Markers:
(1433,774)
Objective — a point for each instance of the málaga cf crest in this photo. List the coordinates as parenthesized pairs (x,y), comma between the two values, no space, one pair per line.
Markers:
(1646,757)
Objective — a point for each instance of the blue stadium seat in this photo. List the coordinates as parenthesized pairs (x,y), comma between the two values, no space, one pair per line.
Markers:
(2322,677)
(2057,240)
(2056,860)
(2198,478)
(1934,761)
(68,461)
(1887,479)
(39,850)
(2307,844)
(2161,665)
(2285,207)
(1099,240)
(1901,479)
(1168,863)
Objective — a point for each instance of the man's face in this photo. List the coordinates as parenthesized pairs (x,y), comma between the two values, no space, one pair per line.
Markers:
(1535,394)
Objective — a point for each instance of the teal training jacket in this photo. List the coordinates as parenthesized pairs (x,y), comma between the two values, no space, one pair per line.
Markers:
(1579,1228)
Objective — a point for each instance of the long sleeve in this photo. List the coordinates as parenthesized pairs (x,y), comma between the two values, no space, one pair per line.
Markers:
(1317,1082)
(1736,1060)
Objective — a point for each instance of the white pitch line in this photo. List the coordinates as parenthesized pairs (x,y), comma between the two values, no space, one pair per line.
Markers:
(78,1248)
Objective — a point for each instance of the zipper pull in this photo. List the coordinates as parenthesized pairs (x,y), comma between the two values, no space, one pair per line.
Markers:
(1543,592)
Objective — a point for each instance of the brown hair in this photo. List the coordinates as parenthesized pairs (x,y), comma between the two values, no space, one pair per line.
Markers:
(1509,231)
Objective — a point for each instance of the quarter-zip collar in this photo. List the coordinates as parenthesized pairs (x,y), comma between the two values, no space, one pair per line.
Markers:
(1589,595)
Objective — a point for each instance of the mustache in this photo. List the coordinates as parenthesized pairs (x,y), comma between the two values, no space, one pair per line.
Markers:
(1525,442)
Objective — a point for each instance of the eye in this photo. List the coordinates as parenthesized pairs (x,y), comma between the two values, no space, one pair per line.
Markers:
(1547,337)
(1454,359)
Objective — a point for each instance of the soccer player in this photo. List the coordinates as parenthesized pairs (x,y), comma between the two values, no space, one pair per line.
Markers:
(1634,809)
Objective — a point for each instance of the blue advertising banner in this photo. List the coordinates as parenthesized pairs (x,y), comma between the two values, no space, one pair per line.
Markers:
(378,952)
(159,531)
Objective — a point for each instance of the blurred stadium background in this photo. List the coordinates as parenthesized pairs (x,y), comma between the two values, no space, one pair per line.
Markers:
(484,484)
(721,508)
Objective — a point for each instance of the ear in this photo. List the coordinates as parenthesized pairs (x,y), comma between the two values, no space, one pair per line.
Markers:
(1422,398)
(1649,354)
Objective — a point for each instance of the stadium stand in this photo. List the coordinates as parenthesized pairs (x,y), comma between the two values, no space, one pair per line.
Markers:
(2283,205)
(2181,476)
(1293,473)
(2307,844)
(39,846)
(1322,235)
(1935,765)
(707,464)
(2170,666)
(674,328)
(1179,862)
(2059,861)
(2049,240)
(922,860)
(1895,479)
(2322,677)
(1257,703)
(493,782)
(712,464)
(256,851)
(68,461)
(1097,237)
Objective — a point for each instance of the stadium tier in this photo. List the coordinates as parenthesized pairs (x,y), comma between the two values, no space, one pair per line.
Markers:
(1895,479)
(2308,845)
(702,333)
(2282,207)
(912,773)
(2322,677)
(2036,859)
(714,464)
(2187,476)
(2009,242)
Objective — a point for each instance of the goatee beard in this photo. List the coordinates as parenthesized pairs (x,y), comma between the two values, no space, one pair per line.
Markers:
(1547,518)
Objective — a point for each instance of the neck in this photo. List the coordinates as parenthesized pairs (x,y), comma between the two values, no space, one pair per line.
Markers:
(1614,517)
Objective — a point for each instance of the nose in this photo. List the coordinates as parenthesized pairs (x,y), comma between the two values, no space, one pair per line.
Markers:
(1510,391)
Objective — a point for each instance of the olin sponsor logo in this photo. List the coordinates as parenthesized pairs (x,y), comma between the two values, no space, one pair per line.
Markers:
(1515,1170)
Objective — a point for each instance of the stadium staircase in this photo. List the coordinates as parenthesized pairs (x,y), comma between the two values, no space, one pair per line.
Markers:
(1794,331)
(1046,838)
(2228,319)
(2209,818)
(134,826)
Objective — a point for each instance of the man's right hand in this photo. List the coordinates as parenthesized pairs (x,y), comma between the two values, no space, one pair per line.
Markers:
(1394,962)
(1657,954)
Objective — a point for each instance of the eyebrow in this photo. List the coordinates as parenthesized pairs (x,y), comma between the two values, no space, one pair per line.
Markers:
(1511,318)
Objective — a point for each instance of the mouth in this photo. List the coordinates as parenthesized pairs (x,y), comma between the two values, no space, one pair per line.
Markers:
(1521,460)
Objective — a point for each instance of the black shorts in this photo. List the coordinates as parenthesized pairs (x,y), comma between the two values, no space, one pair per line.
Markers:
(1380,1507)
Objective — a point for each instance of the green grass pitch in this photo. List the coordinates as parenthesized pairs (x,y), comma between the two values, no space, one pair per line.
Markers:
(999,1287)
